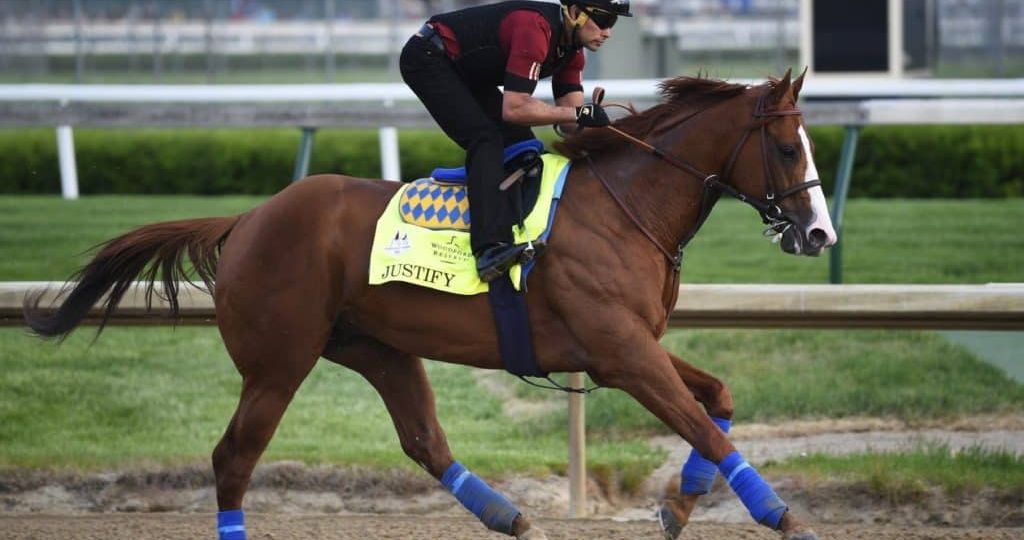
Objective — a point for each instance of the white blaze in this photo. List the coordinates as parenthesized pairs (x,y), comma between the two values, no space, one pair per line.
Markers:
(821,218)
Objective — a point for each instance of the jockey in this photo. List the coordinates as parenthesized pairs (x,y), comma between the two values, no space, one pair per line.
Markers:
(455,63)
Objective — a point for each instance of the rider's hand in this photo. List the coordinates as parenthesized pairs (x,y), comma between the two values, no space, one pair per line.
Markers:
(591,115)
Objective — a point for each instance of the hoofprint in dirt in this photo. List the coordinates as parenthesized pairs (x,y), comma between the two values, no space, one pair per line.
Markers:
(334,527)
(294,488)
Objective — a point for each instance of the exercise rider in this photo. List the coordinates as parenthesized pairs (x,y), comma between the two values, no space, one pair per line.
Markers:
(455,64)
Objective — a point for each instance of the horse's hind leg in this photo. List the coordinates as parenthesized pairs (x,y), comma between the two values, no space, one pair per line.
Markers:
(698,473)
(260,408)
(402,383)
(273,359)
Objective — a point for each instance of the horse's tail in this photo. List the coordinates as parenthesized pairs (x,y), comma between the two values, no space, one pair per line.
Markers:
(152,252)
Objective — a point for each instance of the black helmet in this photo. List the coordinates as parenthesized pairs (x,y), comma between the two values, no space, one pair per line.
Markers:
(618,7)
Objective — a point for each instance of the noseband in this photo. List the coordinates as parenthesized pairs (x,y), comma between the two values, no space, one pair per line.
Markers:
(768,207)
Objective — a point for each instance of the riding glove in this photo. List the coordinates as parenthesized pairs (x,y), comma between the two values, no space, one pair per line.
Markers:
(591,115)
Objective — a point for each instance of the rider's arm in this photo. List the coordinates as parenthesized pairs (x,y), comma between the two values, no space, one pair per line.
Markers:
(525,110)
(525,36)
(567,87)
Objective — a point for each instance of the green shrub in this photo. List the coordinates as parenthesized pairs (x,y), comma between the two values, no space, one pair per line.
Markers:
(930,162)
(911,161)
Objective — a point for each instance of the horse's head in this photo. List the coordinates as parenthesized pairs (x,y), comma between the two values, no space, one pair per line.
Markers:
(757,151)
(773,166)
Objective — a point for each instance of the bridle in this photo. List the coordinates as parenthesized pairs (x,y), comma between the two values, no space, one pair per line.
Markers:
(714,185)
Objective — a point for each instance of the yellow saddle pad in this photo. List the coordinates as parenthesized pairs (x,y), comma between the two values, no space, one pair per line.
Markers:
(422,237)
(435,205)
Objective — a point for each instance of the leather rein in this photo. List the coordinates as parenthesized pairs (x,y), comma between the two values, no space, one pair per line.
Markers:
(771,214)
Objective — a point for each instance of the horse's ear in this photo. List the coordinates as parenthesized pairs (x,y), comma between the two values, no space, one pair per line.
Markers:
(798,84)
(782,86)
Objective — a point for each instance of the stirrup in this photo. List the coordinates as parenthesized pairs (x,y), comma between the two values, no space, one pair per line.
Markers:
(532,251)
(516,254)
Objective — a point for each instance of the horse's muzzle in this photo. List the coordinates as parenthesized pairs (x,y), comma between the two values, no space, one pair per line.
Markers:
(797,240)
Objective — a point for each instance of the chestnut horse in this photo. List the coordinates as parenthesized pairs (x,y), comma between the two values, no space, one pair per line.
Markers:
(291,287)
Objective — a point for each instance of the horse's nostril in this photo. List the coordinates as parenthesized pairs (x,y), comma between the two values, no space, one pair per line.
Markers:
(817,238)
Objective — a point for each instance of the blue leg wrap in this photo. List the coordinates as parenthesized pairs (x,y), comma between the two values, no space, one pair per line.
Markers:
(231,525)
(698,473)
(761,501)
(494,510)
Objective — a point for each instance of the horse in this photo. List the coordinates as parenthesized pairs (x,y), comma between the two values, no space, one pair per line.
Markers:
(289,282)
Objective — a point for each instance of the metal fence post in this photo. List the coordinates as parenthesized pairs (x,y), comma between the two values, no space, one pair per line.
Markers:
(305,152)
(843,174)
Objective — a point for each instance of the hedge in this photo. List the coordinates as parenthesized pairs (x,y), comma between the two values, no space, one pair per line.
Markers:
(920,162)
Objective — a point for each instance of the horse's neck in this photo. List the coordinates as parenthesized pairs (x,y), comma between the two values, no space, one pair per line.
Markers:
(666,199)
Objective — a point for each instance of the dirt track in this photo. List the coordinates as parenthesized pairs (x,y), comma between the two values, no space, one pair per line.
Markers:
(290,500)
(304,527)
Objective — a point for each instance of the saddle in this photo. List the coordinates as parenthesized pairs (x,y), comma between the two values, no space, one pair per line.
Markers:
(422,239)
(439,201)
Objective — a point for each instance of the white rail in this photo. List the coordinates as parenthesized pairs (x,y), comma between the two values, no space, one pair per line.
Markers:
(860,88)
(996,306)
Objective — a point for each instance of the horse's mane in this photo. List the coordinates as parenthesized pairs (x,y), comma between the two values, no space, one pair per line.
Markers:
(678,94)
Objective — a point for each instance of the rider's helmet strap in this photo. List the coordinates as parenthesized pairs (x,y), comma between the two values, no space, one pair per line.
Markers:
(577,22)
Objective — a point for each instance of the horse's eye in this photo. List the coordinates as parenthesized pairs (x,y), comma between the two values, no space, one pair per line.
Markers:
(788,151)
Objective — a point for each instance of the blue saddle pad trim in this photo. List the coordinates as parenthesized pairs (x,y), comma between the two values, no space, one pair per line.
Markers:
(559,186)
(458,174)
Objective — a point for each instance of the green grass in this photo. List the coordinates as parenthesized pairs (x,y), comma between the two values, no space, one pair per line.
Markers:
(164,396)
(907,475)
(45,238)
(777,375)
(160,395)
(884,241)
(890,241)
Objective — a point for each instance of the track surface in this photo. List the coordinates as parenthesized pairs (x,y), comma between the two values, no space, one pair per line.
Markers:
(326,527)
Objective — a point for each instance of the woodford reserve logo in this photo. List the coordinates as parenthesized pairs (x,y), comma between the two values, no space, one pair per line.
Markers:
(451,252)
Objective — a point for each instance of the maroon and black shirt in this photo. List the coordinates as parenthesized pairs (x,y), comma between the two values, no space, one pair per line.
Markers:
(513,44)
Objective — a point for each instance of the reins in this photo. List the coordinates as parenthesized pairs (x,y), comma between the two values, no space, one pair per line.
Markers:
(675,259)
(771,214)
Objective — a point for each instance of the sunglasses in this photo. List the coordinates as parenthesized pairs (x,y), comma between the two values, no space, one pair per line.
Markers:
(603,19)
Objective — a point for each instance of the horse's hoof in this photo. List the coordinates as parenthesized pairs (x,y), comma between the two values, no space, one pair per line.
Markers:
(671,527)
(533,533)
(795,529)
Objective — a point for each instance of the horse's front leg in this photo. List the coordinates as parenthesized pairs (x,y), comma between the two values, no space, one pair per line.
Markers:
(642,368)
(698,473)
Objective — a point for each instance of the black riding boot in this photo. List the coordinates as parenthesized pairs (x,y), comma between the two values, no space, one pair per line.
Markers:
(495,260)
